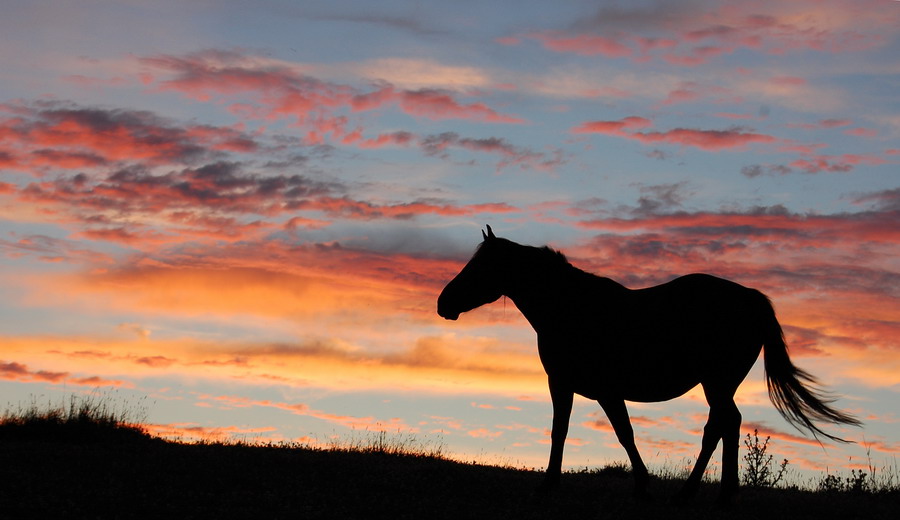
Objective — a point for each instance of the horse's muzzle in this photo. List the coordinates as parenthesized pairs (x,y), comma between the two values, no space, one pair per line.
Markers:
(447,315)
(442,305)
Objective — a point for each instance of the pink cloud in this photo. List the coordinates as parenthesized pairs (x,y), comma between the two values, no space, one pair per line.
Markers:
(711,140)
(823,124)
(281,92)
(762,223)
(67,136)
(192,200)
(432,104)
(391,139)
(697,55)
(835,164)
(705,139)
(792,81)
(508,40)
(584,44)
(729,115)
(861,132)
(690,37)
(613,127)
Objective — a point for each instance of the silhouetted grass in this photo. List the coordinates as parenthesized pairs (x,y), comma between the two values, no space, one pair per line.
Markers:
(86,461)
(80,419)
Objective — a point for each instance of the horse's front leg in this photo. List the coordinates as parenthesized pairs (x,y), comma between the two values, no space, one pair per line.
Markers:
(617,414)
(561,396)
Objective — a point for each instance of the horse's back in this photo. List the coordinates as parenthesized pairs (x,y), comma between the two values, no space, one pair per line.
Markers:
(692,327)
(699,291)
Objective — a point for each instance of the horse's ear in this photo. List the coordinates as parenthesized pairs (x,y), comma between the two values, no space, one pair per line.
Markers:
(490,233)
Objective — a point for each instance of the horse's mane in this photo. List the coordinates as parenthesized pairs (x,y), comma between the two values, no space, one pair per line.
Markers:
(546,254)
(554,264)
(554,256)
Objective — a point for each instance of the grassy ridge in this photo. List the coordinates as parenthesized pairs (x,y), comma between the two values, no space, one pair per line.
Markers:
(51,467)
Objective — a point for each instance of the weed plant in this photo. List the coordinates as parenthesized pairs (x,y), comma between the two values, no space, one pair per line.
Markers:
(757,469)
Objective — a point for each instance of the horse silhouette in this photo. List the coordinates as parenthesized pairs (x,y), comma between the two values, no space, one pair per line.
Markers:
(608,343)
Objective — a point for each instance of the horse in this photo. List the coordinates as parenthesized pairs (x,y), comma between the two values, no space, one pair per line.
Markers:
(611,344)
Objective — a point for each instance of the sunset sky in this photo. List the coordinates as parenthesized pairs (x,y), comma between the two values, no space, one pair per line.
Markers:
(240,214)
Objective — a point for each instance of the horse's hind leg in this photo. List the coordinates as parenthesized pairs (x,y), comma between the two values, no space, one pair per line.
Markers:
(731,440)
(724,423)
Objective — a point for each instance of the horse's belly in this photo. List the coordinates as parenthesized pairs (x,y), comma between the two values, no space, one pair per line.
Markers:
(637,389)
(658,393)
(642,375)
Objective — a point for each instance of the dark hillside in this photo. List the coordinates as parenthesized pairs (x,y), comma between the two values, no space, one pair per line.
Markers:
(85,460)
(142,477)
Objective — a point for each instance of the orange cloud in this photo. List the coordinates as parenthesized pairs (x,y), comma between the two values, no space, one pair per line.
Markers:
(767,431)
(18,372)
(432,364)
(188,432)
(360,423)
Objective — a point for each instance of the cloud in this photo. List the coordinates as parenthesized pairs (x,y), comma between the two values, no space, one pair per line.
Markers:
(710,140)
(693,33)
(188,432)
(280,91)
(524,158)
(429,103)
(138,205)
(413,74)
(256,88)
(767,431)
(583,44)
(218,186)
(52,250)
(54,134)
(144,181)
(618,128)
(884,200)
(18,372)
(404,22)
(472,365)
(813,163)
(822,124)
(763,222)
(359,423)
(660,198)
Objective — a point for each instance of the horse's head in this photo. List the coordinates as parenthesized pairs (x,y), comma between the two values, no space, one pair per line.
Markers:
(477,284)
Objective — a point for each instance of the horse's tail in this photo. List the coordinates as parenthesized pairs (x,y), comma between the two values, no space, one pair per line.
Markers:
(794,391)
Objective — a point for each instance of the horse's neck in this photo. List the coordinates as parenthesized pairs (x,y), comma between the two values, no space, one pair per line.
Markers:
(551,292)
(542,289)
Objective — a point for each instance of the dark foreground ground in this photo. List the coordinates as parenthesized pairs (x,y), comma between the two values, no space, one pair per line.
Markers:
(140,477)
